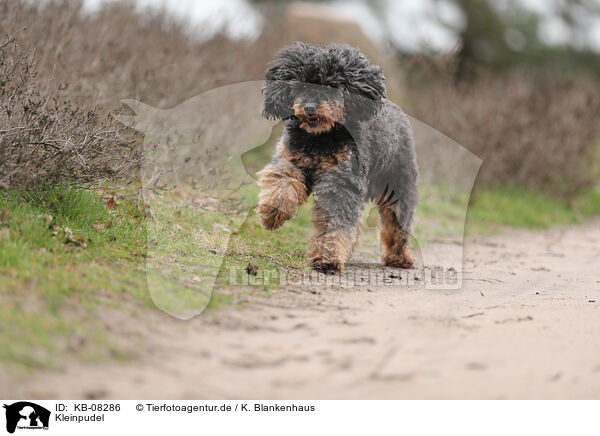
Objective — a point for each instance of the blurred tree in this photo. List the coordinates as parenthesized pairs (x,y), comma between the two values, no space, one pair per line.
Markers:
(503,34)
(501,37)
(491,38)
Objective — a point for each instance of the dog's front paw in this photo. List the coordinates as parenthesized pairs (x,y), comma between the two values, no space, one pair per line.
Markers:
(399,261)
(271,218)
(326,266)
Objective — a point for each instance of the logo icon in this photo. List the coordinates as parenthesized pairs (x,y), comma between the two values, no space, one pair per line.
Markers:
(26,415)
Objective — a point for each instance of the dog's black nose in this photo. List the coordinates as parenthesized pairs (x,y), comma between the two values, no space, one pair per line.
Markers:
(310,110)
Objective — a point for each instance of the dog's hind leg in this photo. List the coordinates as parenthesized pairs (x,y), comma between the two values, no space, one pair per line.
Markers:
(394,239)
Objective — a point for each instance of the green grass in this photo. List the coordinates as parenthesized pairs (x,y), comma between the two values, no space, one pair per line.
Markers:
(515,207)
(62,252)
(210,245)
(57,273)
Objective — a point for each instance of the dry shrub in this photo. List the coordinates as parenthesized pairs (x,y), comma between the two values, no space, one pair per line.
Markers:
(532,131)
(119,53)
(95,61)
(44,140)
(535,130)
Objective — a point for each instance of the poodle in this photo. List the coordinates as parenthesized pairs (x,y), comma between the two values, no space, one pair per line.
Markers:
(345,143)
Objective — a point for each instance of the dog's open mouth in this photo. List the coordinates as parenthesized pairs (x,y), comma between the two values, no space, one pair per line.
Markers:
(314,121)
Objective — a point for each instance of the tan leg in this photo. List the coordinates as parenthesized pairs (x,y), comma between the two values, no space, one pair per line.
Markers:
(394,241)
(283,190)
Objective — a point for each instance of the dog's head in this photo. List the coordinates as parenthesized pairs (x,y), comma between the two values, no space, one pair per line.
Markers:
(322,86)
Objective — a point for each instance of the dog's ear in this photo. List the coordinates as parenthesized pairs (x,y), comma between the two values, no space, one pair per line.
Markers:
(288,68)
(277,90)
(363,81)
(360,108)
(279,101)
(364,95)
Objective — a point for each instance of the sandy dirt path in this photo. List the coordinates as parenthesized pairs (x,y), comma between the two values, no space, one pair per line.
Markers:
(525,325)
